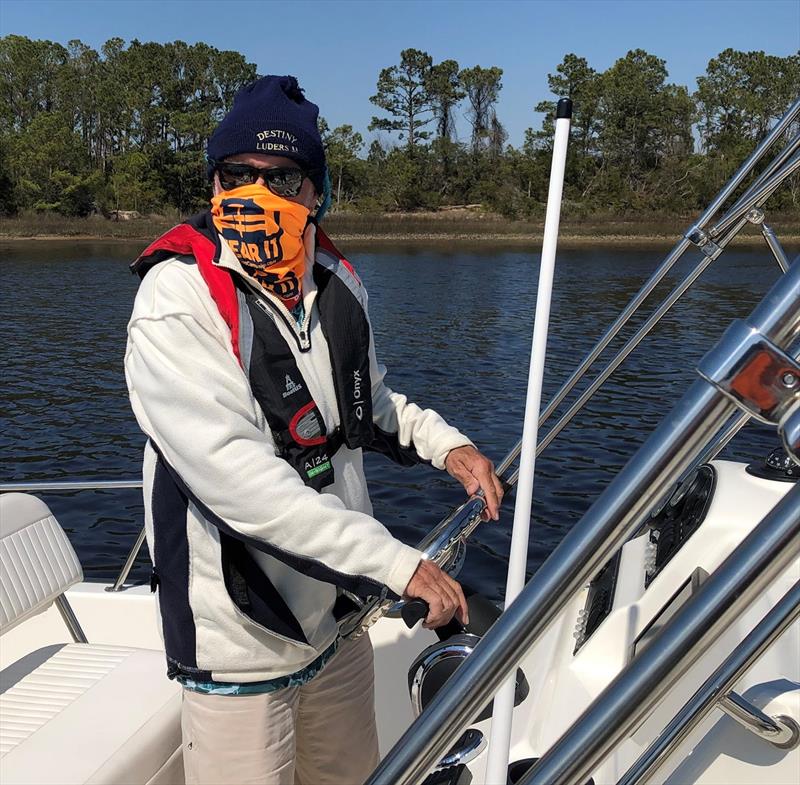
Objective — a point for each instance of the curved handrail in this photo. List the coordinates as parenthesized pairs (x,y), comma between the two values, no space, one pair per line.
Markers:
(85,485)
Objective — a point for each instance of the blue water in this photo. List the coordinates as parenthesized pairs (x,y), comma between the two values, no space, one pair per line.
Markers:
(454,328)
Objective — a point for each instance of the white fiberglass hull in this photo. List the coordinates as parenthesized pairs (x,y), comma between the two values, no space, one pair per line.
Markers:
(562,682)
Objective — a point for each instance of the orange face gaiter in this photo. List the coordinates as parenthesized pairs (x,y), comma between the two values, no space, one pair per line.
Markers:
(266,234)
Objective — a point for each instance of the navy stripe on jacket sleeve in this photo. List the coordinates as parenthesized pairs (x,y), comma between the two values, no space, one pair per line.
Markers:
(388,444)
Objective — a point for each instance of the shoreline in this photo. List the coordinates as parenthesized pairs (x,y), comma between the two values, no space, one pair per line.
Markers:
(413,230)
(564,240)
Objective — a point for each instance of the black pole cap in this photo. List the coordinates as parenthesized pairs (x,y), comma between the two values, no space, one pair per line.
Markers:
(564,109)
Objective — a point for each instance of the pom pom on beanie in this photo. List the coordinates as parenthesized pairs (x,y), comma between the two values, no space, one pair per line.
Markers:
(272,116)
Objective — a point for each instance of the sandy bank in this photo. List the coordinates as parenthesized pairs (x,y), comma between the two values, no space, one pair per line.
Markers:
(532,240)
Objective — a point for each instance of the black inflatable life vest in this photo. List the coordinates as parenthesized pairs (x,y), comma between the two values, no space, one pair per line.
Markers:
(297,425)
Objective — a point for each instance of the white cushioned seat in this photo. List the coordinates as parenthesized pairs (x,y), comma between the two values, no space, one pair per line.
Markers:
(37,561)
(90,714)
(77,713)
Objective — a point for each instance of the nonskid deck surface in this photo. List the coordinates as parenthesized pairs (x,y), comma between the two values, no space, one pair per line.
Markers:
(563,678)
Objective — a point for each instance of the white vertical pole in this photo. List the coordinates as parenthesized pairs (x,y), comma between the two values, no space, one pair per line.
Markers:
(500,737)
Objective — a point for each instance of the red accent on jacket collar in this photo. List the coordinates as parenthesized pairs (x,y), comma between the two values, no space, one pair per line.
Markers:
(188,241)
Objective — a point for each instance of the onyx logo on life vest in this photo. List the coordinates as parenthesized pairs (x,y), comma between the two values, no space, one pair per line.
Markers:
(359,403)
(291,387)
(252,234)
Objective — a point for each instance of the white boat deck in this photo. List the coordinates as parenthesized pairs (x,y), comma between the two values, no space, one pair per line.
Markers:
(562,682)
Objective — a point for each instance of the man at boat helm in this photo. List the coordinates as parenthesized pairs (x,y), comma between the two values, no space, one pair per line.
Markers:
(252,370)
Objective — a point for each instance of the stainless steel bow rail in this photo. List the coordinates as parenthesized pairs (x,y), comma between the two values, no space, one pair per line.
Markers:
(712,239)
(71,485)
(616,514)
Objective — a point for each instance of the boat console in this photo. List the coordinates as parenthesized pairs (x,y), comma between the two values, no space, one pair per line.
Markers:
(669,528)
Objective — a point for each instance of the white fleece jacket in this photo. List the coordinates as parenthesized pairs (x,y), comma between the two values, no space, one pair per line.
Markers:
(193,400)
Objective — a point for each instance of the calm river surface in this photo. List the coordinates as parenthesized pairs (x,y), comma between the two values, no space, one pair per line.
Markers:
(454,329)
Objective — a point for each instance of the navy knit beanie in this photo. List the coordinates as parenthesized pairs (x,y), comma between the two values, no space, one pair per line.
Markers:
(272,116)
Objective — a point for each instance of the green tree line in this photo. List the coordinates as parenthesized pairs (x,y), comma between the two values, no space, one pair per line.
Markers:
(84,131)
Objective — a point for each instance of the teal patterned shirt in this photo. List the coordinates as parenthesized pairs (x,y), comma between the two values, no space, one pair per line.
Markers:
(297,679)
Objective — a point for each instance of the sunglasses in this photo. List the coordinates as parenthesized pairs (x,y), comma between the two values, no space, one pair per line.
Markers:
(281,180)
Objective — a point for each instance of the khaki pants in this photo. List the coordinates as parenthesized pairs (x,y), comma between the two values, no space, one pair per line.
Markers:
(322,733)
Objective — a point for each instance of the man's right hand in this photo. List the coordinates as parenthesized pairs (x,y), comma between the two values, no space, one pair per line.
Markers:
(443,595)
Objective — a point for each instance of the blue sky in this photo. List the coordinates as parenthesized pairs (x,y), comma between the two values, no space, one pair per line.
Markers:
(337,48)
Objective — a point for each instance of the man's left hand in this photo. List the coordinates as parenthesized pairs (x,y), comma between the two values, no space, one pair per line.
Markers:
(476,472)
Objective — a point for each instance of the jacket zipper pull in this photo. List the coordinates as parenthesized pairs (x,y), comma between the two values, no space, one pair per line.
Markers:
(154,580)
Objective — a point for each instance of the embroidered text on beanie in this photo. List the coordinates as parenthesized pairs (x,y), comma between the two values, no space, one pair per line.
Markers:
(272,116)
